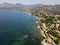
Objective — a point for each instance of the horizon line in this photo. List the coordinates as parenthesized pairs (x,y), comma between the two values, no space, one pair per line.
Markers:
(28,4)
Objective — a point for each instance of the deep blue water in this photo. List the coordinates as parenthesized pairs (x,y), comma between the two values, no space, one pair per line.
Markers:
(16,28)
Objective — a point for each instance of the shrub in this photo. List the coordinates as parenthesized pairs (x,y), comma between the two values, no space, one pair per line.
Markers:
(54,33)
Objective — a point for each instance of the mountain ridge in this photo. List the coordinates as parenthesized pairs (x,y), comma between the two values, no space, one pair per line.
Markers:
(6,5)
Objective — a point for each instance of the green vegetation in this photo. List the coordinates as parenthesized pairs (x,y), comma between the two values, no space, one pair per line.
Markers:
(59,28)
(54,33)
(58,18)
(44,12)
(49,20)
(57,41)
(49,17)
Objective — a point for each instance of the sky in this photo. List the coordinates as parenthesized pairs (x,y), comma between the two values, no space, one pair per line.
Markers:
(29,2)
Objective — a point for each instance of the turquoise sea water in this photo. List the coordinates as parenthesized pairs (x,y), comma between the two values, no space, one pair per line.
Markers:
(17,28)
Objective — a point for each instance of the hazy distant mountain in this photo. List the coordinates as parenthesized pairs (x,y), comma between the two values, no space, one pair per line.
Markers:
(47,7)
(56,8)
(18,6)
(5,4)
(33,6)
(11,5)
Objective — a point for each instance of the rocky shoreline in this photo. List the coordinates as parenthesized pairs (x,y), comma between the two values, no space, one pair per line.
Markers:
(46,40)
(49,27)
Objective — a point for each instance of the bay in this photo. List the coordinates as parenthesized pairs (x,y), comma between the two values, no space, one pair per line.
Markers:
(17,28)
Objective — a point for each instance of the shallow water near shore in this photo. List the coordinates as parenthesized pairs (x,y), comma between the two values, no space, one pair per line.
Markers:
(18,28)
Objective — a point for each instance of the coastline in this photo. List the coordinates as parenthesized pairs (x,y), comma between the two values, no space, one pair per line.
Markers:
(42,31)
(38,26)
(46,39)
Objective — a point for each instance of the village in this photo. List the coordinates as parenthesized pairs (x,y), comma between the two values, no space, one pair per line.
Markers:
(49,26)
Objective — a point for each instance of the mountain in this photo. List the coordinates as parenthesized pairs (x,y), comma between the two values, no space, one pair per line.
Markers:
(10,5)
(18,6)
(46,7)
(56,8)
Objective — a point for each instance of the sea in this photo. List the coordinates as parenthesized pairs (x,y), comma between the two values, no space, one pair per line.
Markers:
(18,28)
